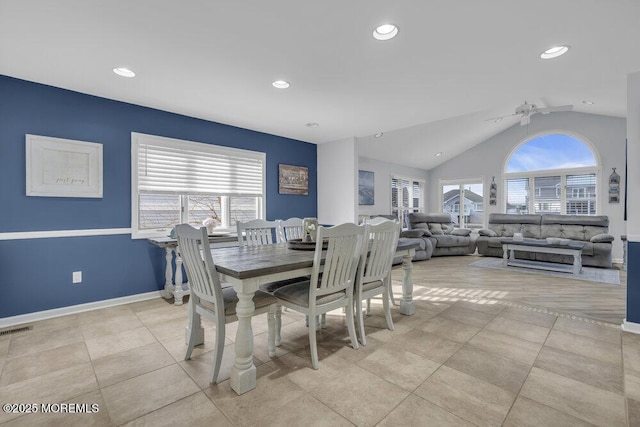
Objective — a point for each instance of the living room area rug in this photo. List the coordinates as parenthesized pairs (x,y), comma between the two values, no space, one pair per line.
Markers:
(592,274)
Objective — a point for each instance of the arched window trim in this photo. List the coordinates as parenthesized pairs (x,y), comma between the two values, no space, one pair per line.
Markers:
(552,172)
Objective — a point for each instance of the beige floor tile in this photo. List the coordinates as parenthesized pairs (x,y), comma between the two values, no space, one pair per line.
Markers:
(589,347)
(22,368)
(61,322)
(580,368)
(150,304)
(138,396)
(589,329)
(575,398)
(477,401)
(633,406)
(490,367)
(530,316)
(54,387)
(4,346)
(36,342)
(273,391)
(383,334)
(427,345)
(366,408)
(522,330)
(471,317)
(632,384)
(415,411)
(131,363)
(507,346)
(194,410)
(451,329)
(631,350)
(162,314)
(300,371)
(528,413)
(90,412)
(303,411)
(481,305)
(107,345)
(168,330)
(110,325)
(102,314)
(400,367)
(177,346)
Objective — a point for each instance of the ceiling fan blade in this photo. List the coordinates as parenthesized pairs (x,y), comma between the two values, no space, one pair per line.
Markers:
(499,118)
(555,109)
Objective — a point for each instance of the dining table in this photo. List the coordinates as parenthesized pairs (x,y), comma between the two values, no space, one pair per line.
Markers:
(248,267)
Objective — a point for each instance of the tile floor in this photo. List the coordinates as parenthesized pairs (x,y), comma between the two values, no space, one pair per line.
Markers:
(458,363)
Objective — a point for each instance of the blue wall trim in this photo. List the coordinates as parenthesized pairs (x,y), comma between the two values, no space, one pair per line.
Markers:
(633,282)
(114,266)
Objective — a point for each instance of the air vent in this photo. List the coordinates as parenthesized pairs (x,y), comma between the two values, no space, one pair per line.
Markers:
(16,330)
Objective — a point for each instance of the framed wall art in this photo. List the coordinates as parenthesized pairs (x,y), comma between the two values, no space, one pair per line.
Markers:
(59,167)
(293,180)
(365,187)
(493,192)
(614,187)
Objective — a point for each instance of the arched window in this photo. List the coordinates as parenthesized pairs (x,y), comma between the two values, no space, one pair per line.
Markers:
(552,173)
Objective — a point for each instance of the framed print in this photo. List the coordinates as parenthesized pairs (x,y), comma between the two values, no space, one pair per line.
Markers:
(365,187)
(59,167)
(293,180)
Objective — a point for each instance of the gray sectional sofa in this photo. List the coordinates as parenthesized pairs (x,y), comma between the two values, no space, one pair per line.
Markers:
(437,236)
(593,231)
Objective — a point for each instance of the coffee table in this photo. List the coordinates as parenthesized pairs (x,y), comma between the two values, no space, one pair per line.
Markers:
(509,246)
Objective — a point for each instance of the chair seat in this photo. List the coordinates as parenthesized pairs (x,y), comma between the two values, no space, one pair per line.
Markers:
(230,297)
(273,286)
(299,294)
(372,285)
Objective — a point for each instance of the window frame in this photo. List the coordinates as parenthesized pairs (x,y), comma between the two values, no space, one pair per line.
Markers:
(225,206)
(421,200)
(562,172)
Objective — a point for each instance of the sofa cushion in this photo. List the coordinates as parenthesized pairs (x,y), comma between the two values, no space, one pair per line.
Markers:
(412,233)
(495,242)
(417,217)
(461,232)
(587,220)
(448,241)
(602,238)
(436,228)
(487,233)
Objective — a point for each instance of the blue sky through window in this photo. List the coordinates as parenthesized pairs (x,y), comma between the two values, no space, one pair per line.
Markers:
(551,152)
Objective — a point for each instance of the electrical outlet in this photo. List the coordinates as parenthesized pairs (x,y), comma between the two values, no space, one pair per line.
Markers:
(77,277)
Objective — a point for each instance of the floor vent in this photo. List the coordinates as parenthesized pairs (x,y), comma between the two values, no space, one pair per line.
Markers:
(16,330)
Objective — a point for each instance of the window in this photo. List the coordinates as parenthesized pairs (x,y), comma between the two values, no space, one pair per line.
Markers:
(471,193)
(175,181)
(407,195)
(553,173)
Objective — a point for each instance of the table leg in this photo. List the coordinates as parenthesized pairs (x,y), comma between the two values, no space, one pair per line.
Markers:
(577,263)
(168,273)
(407,306)
(178,292)
(243,372)
(505,256)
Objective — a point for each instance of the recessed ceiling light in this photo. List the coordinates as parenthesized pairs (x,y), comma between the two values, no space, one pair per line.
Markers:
(438,154)
(312,125)
(280,84)
(385,32)
(554,52)
(378,135)
(588,102)
(124,72)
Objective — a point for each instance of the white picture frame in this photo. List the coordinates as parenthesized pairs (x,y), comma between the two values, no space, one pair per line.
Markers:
(57,167)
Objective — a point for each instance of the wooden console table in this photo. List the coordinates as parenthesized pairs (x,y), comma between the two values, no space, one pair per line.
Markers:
(173,287)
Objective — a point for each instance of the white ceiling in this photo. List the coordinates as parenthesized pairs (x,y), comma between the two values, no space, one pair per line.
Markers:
(453,64)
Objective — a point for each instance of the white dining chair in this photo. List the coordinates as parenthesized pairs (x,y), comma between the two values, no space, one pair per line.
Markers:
(290,229)
(332,280)
(375,221)
(374,271)
(210,299)
(257,232)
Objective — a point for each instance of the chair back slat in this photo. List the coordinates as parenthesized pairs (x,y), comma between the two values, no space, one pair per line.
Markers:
(194,248)
(383,240)
(290,229)
(344,250)
(257,232)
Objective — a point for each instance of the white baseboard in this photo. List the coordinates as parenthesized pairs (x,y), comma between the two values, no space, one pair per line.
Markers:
(634,328)
(74,309)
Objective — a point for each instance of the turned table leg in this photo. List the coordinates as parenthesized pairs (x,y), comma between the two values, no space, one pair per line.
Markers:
(407,306)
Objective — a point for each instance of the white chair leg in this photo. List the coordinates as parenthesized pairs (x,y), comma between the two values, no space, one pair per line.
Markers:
(193,317)
(313,345)
(278,325)
(368,306)
(323,320)
(218,351)
(386,304)
(351,326)
(271,322)
(360,320)
(391,297)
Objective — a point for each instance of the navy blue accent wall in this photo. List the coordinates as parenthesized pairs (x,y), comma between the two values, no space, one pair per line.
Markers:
(633,282)
(36,273)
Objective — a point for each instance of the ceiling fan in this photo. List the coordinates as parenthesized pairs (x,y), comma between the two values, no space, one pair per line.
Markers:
(526,110)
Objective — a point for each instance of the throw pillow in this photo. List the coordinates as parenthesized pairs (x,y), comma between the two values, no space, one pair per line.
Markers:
(412,233)
(488,233)
(461,232)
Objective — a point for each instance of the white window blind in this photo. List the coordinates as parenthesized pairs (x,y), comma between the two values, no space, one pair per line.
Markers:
(518,196)
(547,194)
(182,167)
(581,194)
(406,196)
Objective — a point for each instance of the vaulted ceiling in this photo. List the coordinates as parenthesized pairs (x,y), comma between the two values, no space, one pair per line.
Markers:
(453,65)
